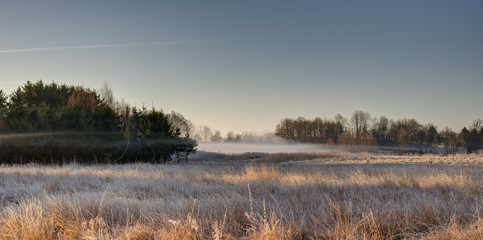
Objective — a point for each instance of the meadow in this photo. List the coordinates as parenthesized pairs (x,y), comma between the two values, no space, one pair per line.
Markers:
(248,196)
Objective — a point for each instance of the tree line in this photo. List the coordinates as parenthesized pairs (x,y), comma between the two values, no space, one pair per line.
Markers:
(362,129)
(57,123)
(205,134)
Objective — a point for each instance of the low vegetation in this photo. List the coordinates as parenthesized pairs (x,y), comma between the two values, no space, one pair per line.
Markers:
(335,197)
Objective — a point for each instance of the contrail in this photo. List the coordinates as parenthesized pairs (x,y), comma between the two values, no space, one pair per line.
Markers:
(44,49)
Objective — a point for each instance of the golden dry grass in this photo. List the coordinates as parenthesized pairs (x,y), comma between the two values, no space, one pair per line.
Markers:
(342,197)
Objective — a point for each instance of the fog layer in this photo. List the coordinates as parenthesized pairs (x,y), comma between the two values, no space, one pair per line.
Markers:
(262,147)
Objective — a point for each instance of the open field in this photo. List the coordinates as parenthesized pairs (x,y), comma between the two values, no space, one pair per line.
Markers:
(328,196)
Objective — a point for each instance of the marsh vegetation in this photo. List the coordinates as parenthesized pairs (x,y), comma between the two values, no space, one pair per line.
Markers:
(361,196)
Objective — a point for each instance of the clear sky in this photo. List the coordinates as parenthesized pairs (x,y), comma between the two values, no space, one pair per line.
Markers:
(244,65)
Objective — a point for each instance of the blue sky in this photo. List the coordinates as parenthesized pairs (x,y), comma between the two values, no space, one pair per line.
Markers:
(244,65)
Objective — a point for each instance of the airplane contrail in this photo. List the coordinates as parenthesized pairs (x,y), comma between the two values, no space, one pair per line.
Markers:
(42,49)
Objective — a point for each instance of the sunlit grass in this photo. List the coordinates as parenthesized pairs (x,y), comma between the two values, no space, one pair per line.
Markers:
(341,197)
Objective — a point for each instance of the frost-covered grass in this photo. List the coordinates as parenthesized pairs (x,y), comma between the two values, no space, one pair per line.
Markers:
(338,197)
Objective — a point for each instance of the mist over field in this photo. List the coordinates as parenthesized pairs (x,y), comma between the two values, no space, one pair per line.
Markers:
(265,147)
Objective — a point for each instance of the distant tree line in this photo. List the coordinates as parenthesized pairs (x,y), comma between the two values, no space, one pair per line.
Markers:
(362,129)
(205,134)
(52,123)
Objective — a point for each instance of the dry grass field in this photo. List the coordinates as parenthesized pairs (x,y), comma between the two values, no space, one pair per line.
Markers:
(340,196)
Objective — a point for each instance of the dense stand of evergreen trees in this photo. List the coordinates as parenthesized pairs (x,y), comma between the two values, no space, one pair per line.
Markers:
(361,129)
(52,123)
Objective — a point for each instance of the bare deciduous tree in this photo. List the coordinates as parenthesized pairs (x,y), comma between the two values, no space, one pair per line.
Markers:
(107,96)
(341,123)
(206,132)
(178,121)
(360,123)
(380,129)
(450,139)
(216,137)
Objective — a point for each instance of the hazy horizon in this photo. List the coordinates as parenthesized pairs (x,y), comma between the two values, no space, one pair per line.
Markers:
(243,66)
